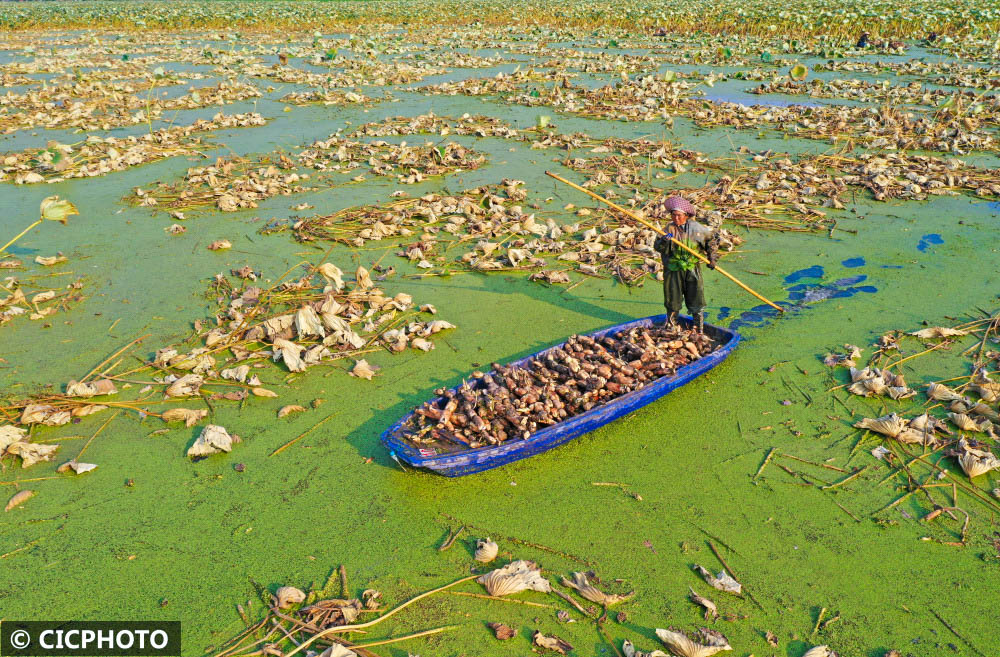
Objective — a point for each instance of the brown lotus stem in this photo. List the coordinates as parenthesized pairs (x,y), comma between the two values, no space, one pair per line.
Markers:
(348,628)
(500,599)
(384,642)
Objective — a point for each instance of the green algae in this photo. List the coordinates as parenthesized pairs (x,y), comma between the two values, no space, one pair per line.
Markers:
(187,540)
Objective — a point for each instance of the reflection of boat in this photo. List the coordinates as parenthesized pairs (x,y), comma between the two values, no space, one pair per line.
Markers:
(458,462)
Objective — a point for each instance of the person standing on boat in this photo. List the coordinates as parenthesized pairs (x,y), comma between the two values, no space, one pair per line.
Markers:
(682,280)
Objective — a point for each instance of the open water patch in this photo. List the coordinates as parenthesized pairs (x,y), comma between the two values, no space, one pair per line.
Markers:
(929,240)
(802,295)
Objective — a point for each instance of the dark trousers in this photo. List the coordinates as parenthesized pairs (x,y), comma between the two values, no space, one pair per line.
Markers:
(683,287)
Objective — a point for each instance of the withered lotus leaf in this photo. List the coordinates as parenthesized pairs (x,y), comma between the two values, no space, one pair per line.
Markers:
(363,370)
(289,352)
(710,642)
(552,643)
(975,461)
(592,593)
(486,550)
(91,388)
(286,596)
(711,611)
(213,439)
(820,651)
(515,577)
(10,434)
(724,581)
(186,386)
(76,467)
(188,416)
(628,649)
(32,453)
(938,332)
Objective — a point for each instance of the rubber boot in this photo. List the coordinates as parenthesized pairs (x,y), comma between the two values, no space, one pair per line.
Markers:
(670,322)
(699,322)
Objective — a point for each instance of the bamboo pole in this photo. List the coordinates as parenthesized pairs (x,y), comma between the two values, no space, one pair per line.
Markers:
(678,243)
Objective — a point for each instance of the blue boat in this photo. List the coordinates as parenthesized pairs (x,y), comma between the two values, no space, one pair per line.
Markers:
(457,462)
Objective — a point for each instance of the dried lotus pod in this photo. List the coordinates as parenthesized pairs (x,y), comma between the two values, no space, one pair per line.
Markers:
(592,593)
(710,643)
(515,577)
(286,596)
(486,550)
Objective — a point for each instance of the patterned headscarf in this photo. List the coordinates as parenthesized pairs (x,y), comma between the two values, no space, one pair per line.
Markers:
(679,203)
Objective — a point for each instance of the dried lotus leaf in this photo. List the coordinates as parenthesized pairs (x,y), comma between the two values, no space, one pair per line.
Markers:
(888,425)
(19,498)
(820,651)
(286,596)
(592,593)
(213,439)
(10,434)
(711,611)
(289,352)
(277,325)
(724,581)
(938,332)
(515,577)
(988,391)
(552,643)
(32,453)
(220,245)
(436,326)
(332,274)
(963,422)
(186,386)
(188,416)
(974,461)
(422,344)
(76,467)
(486,550)
(291,408)
(371,598)
(236,373)
(940,392)
(307,323)
(628,650)
(364,280)
(90,389)
(683,646)
(363,370)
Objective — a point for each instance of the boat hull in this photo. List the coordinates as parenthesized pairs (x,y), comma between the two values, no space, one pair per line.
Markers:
(456,464)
